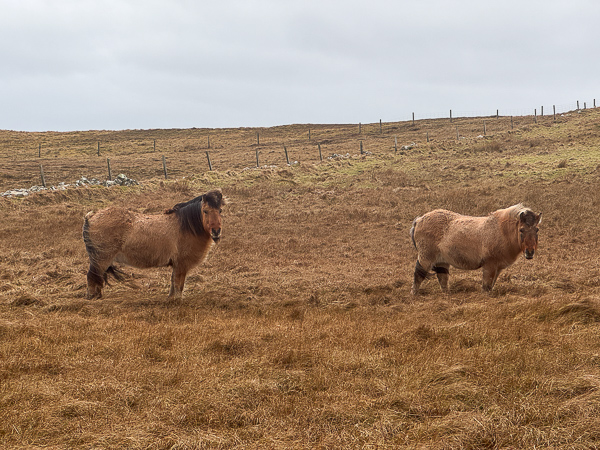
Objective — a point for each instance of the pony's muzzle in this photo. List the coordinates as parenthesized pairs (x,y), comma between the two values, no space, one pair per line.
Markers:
(529,254)
(215,234)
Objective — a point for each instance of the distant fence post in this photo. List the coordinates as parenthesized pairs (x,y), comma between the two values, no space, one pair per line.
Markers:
(208,142)
(209,163)
(413,114)
(257,163)
(42,175)
(577,104)
(154,145)
(542,111)
(497,113)
(309,134)
(484,129)
(361,148)
(320,154)
(395,144)
(457,135)
(287,158)
(39,150)
(554,112)
(98,148)
(380,127)
(594,103)
(164,161)
(450,116)
(257,138)
(512,125)
(584,105)
(428,136)
(535,115)
(359,128)
(108,163)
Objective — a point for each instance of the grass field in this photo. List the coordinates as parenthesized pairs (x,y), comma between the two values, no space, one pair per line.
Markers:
(299,331)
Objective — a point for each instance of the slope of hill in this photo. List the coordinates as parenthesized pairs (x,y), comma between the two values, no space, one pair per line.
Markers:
(300,331)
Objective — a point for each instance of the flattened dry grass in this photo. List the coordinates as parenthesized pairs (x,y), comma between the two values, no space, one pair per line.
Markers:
(299,330)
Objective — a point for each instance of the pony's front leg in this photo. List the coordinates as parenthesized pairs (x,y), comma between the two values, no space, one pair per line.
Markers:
(177,282)
(490,275)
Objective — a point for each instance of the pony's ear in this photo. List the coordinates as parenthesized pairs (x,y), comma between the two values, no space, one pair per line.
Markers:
(539,219)
(522,216)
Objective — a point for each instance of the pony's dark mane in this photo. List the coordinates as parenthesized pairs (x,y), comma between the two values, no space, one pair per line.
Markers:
(190,213)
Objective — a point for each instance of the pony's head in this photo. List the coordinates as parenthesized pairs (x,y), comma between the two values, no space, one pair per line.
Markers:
(212,202)
(201,214)
(528,231)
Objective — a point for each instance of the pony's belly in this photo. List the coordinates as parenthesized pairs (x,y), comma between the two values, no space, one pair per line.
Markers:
(142,261)
(462,262)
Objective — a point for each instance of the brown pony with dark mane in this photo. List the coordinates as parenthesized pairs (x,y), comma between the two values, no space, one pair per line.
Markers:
(445,238)
(181,237)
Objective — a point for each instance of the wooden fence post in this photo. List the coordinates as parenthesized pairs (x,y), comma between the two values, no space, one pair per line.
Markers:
(320,154)
(209,163)
(108,163)
(154,145)
(98,148)
(39,150)
(450,116)
(511,123)
(359,128)
(484,129)
(428,136)
(457,135)
(361,148)
(380,127)
(257,138)
(309,134)
(395,144)
(257,163)
(42,175)
(287,158)
(577,104)
(413,114)
(164,161)
(535,115)
(554,112)
(542,111)
(208,142)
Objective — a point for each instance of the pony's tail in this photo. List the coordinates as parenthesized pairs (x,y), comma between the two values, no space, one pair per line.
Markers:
(89,246)
(412,232)
(115,272)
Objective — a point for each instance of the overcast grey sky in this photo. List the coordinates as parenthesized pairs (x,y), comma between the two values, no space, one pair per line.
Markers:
(139,64)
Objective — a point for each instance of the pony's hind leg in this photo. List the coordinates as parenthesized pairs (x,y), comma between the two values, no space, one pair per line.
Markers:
(443,274)
(420,274)
(95,282)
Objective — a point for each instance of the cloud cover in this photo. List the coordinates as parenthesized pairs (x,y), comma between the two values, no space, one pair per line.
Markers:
(82,64)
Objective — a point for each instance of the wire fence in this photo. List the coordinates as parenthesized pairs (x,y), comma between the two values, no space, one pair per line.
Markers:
(141,153)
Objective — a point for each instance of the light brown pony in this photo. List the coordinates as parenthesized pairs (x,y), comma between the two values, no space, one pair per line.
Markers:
(444,238)
(181,237)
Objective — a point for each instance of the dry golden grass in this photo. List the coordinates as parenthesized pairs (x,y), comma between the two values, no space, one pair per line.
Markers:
(299,331)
